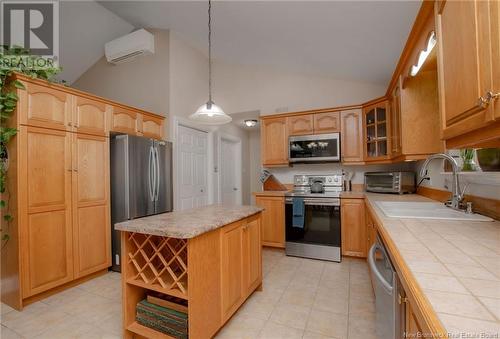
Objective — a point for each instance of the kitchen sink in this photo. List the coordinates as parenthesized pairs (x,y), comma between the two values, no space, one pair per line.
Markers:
(426,210)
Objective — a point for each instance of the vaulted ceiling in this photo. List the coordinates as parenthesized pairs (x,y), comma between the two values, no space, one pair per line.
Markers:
(355,40)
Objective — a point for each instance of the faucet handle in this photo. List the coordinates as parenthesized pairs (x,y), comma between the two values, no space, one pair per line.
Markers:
(468,209)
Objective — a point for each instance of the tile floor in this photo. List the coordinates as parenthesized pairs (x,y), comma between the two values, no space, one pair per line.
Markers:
(301,299)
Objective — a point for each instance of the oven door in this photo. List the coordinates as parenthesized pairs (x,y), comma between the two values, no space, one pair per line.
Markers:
(321,222)
(311,148)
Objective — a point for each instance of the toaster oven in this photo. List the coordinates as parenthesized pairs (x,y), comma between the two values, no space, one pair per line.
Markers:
(390,182)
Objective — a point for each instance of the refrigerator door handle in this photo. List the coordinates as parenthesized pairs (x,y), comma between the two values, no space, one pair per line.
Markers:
(151,174)
(157,176)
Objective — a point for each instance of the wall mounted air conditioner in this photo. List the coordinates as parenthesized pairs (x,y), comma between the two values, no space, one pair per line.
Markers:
(130,46)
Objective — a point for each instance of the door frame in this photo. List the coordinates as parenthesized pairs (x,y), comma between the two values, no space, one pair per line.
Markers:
(238,164)
(177,122)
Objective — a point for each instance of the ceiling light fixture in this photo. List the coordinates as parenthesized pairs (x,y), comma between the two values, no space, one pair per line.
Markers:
(210,113)
(251,122)
(431,42)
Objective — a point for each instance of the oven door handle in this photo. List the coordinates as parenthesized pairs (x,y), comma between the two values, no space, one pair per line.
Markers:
(316,202)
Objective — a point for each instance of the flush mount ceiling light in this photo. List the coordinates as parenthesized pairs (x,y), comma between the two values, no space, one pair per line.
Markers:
(210,113)
(431,42)
(250,122)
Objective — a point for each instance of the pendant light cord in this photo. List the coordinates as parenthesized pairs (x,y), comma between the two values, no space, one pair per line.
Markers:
(209,53)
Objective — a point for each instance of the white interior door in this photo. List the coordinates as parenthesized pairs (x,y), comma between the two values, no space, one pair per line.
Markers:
(230,154)
(192,167)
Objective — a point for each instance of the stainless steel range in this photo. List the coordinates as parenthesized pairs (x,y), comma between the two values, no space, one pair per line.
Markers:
(312,217)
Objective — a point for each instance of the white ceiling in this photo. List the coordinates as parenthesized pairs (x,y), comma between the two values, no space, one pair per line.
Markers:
(355,40)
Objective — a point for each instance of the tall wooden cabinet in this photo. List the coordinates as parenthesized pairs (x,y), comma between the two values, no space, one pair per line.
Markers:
(58,183)
(468,40)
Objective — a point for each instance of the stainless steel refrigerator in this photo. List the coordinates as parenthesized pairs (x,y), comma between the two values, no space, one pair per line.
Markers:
(141,182)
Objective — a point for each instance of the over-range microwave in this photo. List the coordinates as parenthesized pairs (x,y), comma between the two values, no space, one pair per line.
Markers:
(314,148)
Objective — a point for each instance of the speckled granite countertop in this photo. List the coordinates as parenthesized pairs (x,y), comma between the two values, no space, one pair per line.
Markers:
(456,264)
(189,223)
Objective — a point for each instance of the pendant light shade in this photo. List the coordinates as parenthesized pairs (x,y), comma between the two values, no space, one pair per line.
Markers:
(210,113)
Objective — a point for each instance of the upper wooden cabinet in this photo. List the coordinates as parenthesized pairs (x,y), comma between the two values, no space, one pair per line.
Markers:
(273,220)
(351,136)
(126,121)
(376,125)
(328,122)
(274,142)
(45,106)
(91,116)
(300,124)
(152,127)
(353,227)
(468,39)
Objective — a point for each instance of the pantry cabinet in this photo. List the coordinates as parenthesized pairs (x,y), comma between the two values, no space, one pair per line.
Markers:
(274,142)
(58,187)
(351,136)
(300,124)
(91,212)
(468,40)
(45,211)
(353,229)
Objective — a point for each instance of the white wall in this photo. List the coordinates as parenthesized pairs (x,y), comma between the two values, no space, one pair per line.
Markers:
(142,83)
(240,88)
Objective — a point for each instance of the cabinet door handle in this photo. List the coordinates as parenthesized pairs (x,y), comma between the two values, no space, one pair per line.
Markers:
(482,102)
(490,96)
(70,124)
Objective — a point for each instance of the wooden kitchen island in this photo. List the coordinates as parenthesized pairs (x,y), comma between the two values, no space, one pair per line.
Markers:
(209,259)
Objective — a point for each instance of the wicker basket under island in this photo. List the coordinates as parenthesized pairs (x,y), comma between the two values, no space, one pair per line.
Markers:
(207,260)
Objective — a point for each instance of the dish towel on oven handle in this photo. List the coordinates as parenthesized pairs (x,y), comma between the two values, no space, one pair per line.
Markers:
(298,213)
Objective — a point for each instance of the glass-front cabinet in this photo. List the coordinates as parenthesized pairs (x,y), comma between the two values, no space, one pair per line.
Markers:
(376,123)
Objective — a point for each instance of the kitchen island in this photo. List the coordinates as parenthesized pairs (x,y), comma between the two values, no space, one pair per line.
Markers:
(208,260)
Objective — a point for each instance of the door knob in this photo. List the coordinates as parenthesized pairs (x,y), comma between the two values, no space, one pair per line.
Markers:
(201,190)
(235,189)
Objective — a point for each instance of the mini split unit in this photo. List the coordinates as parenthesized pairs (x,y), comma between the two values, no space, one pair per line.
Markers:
(130,46)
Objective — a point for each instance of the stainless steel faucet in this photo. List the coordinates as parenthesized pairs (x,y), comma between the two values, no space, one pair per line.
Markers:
(457,194)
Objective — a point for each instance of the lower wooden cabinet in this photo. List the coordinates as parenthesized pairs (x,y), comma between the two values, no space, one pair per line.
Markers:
(241,263)
(353,227)
(273,220)
(252,250)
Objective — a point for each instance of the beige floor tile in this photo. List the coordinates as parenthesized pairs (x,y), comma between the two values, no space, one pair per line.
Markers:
(334,303)
(361,305)
(291,315)
(329,324)
(4,309)
(312,335)
(7,333)
(362,327)
(97,333)
(298,295)
(276,331)
(462,305)
(70,328)
(482,288)
(242,326)
(493,305)
(261,309)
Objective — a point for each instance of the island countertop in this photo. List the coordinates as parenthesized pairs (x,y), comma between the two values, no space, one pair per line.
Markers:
(188,223)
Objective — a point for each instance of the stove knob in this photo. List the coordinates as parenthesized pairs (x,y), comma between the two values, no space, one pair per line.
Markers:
(329,179)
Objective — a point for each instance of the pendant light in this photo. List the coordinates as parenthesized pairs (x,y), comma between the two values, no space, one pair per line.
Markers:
(210,113)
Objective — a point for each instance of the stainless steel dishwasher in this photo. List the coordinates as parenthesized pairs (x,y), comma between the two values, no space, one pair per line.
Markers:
(385,284)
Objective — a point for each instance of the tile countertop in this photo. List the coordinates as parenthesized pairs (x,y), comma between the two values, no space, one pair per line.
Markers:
(456,264)
(189,223)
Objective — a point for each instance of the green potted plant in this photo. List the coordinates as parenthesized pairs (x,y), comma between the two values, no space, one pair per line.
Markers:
(467,156)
